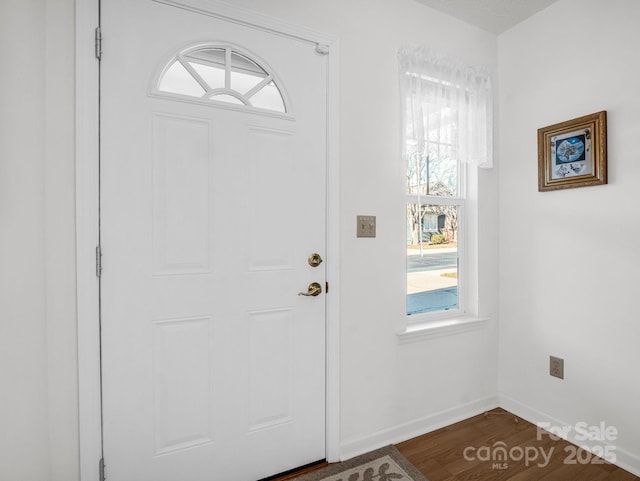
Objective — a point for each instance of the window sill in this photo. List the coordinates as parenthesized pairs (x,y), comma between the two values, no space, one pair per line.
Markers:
(440,328)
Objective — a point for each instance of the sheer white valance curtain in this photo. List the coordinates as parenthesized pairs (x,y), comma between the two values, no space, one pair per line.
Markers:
(436,87)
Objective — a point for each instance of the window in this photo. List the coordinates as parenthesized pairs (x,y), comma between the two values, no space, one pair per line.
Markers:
(434,209)
(212,73)
(447,132)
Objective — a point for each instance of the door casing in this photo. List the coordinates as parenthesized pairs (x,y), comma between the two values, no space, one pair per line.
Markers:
(88,219)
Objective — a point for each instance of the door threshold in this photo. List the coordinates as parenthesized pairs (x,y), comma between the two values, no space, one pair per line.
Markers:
(295,472)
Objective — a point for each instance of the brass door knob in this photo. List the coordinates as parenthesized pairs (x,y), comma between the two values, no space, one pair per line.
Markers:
(314,289)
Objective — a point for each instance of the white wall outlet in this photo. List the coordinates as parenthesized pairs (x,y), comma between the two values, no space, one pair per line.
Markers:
(556,367)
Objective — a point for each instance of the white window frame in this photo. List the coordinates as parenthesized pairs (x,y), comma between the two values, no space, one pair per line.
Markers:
(459,201)
(429,325)
(466,317)
(210,93)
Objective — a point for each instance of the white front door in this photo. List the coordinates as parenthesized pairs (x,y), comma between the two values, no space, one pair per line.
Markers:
(213,168)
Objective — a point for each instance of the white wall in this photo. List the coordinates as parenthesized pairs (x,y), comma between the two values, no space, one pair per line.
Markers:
(38,367)
(59,225)
(569,259)
(23,348)
(391,390)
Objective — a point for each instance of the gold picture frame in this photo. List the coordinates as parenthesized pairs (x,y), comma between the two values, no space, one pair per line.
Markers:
(573,153)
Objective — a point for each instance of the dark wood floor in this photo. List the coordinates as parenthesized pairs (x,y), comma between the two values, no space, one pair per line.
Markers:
(440,455)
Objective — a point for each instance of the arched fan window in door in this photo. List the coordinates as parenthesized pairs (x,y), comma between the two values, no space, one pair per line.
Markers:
(215,73)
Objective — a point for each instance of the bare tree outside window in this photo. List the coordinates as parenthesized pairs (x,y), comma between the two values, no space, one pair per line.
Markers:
(432,221)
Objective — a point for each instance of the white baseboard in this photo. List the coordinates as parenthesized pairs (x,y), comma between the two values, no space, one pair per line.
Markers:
(397,434)
(624,459)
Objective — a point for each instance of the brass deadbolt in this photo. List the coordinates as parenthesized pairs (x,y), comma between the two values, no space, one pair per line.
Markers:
(315,260)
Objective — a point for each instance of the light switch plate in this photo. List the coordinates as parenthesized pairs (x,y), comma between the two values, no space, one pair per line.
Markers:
(366,226)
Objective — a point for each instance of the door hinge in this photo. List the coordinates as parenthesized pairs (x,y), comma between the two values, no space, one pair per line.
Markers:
(98,261)
(101,470)
(326,288)
(98,39)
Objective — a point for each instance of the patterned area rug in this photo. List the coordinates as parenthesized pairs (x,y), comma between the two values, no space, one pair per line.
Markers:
(385,464)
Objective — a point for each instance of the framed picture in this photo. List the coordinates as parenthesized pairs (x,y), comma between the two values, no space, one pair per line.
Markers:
(573,153)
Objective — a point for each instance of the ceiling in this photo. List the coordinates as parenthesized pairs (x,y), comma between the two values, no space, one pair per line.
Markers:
(494,16)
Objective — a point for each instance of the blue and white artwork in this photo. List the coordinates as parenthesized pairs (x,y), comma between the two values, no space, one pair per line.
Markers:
(571,154)
(570,150)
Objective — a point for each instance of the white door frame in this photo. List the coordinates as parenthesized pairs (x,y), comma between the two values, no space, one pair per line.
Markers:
(87,218)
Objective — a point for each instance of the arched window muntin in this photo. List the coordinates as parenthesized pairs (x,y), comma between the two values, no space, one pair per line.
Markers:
(223,75)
